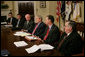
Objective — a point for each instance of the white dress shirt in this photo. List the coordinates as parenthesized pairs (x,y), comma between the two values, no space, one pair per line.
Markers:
(11,20)
(18,23)
(50,27)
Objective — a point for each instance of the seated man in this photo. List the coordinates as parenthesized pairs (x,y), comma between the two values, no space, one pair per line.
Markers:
(70,42)
(11,20)
(40,26)
(20,22)
(51,34)
(29,24)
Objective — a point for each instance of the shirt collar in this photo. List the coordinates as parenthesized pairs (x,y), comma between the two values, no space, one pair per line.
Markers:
(39,23)
(68,34)
(50,26)
(27,21)
(11,18)
(18,19)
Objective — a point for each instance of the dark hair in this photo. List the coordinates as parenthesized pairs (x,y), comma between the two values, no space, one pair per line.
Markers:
(72,24)
(19,14)
(51,18)
(10,13)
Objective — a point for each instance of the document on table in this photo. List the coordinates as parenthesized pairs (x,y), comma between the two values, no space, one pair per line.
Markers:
(31,37)
(33,49)
(43,47)
(8,25)
(3,23)
(20,33)
(20,43)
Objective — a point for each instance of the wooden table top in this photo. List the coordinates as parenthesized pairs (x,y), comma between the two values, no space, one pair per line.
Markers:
(8,39)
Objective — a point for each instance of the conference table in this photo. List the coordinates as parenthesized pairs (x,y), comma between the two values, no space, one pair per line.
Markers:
(7,42)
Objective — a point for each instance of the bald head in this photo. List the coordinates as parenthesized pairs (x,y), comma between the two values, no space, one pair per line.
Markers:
(27,16)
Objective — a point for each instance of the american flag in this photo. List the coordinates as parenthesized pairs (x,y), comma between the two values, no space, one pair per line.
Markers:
(58,9)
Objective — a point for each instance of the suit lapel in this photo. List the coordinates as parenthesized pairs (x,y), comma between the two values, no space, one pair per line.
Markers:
(39,25)
(19,22)
(68,37)
(51,30)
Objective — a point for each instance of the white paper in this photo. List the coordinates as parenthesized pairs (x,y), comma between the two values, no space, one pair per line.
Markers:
(45,47)
(3,22)
(20,43)
(32,49)
(20,33)
(8,25)
(31,37)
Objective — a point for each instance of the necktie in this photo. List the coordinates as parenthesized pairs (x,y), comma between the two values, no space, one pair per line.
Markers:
(61,42)
(35,29)
(46,34)
(11,21)
(17,23)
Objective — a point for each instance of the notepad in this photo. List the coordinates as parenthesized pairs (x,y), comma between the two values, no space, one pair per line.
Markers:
(20,44)
(45,47)
(20,33)
(32,49)
(42,47)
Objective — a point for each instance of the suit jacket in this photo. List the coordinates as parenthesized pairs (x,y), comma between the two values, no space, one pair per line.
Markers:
(53,36)
(72,44)
(30,26)
(14,21)
(21,24)
(40,29)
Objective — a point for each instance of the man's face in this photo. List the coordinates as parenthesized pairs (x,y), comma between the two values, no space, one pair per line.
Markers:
(27,17)
(18,17)
(47,21)
(37,19)
(68,28)
(10,15)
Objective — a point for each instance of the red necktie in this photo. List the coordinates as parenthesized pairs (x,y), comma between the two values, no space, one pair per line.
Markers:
(46,34)
(35,29)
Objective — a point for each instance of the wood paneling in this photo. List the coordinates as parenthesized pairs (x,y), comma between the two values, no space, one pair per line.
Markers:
(26,7)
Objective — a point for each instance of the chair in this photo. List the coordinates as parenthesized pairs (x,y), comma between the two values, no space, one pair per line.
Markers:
(80,30)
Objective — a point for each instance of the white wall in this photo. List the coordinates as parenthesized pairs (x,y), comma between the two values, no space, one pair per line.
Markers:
(50,9)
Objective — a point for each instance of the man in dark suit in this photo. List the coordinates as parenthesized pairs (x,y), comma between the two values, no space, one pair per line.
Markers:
(51,34)
(11,20)
(40,26)
(29,24)
(20,22)
(70,42)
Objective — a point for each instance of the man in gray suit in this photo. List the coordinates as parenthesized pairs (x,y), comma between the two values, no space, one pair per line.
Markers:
(29,24)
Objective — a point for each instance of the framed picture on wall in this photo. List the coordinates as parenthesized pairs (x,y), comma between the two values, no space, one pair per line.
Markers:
(42,4)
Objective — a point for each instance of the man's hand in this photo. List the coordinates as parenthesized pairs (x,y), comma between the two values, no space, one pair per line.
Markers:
(22,30)
(39,39)
(27,38)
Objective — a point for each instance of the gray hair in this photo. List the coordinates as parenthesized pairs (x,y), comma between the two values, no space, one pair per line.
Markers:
(27,15)
(40,17)
(72,24)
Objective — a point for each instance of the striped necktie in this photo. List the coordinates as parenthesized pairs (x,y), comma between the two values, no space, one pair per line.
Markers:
(35,29)
(46,34)
(61,42)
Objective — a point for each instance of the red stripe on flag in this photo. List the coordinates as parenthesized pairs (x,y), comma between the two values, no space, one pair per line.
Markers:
(58,10)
